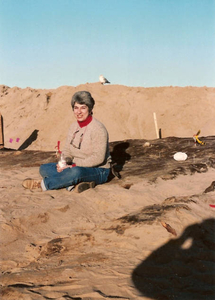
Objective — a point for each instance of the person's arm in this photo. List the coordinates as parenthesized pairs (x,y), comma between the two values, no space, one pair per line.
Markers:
(66,149)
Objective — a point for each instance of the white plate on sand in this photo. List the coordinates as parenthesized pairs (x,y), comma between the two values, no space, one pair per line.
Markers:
(180,156)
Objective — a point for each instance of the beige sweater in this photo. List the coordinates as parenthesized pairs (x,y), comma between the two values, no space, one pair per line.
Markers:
(94,145)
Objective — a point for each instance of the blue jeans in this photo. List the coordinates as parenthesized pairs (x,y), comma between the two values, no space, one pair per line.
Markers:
(54,180)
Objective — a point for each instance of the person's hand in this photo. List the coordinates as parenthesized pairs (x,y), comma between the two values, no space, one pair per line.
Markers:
(60,169)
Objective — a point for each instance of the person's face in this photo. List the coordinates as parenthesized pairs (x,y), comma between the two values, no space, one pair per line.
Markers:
(81,111)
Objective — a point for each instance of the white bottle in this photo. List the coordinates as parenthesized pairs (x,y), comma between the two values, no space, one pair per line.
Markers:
(62,161)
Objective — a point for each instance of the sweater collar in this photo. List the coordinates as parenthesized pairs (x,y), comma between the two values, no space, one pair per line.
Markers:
(85,122)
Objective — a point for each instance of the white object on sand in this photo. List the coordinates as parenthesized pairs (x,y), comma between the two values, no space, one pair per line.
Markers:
(103,80)
(146,144)
(180,156)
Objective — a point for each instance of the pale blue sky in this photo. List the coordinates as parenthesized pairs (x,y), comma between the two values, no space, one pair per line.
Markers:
(149,43)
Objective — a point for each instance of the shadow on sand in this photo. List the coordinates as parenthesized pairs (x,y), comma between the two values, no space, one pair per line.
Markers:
(183,268)
(119,157)
(29,140)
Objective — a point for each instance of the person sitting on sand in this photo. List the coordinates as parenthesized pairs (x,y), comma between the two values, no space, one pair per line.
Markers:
(86,153)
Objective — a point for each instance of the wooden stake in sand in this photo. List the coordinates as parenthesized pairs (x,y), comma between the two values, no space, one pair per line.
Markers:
(1,132)
(156,125)
(160,135)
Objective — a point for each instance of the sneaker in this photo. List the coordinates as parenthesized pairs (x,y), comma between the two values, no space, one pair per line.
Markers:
(31,184)
(83,186)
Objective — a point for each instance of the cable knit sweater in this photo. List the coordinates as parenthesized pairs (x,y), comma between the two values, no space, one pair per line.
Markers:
(94,145)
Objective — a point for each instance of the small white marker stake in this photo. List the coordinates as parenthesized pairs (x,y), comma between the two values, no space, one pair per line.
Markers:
(156,125)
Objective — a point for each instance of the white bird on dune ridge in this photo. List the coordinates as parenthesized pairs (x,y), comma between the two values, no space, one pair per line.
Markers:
(103,80)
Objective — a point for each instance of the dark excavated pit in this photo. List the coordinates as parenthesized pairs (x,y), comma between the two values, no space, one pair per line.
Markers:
(139,157)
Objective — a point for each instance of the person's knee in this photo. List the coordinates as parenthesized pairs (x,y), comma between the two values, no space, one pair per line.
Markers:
(41,169)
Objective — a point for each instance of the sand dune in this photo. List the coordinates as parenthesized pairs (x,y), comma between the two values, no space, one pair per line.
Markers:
(127,112)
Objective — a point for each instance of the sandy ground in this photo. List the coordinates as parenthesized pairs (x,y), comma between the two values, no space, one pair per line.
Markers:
(57,244)
(62,245)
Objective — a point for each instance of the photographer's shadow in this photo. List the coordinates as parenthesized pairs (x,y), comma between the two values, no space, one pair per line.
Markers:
(182,269)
